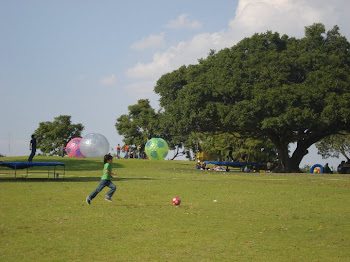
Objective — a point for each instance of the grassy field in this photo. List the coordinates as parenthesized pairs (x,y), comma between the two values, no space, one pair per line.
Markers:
(256,217)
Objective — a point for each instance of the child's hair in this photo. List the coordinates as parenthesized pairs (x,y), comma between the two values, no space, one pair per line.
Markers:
(107,157)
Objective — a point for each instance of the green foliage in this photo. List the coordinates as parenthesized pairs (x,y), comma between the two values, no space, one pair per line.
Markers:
(218,146)
(143,123)
(139,125)
(177,141)
(267,86)
(306,169)
(333,146)
(256,217)
(51,135)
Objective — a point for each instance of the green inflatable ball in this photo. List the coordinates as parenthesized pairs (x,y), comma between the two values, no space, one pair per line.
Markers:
(157,149)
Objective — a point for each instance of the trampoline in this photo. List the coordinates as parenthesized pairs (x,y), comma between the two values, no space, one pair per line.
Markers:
(25,165)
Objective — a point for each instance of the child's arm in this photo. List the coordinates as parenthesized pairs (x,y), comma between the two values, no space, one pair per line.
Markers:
(110,173)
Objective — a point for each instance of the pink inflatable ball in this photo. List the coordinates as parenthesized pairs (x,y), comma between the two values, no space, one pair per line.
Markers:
(73,148)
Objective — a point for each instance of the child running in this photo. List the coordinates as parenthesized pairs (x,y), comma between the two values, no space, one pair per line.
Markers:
(105,181)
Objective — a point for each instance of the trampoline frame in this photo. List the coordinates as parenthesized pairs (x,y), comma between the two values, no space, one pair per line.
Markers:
(26,165)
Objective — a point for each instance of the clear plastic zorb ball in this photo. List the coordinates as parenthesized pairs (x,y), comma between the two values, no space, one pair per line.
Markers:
(94,145)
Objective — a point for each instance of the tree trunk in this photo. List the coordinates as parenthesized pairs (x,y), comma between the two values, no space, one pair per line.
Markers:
(298,155)
(291,164)
(287,164)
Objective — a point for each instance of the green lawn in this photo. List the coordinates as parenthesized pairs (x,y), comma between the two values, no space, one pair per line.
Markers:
(256,217)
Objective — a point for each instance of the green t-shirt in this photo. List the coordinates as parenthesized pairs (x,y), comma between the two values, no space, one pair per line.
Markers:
(105,175)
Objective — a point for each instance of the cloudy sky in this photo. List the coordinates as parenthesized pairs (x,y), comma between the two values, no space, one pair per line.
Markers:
(92,59)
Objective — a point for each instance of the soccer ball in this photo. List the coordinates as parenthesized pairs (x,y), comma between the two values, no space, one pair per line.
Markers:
(73,148)
(94,145)
(176,201)
(156,149)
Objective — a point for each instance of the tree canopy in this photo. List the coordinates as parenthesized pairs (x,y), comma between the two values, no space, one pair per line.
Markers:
(51,135)
(218,146)
(334,145)
(143,122)
(139,125)
(269,86)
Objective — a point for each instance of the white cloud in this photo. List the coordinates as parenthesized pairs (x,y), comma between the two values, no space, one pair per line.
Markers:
(140,89)
(108,80)
(183,21)
(290,16)
(150,42)
(176,56)
(161,63)
(284,16)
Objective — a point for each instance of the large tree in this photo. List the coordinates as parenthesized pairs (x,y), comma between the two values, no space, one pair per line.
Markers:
(51,135)
(285,89)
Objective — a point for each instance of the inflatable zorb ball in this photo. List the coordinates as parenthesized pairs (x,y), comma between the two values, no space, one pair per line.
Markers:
(73,148)
(156,149)
(94,145)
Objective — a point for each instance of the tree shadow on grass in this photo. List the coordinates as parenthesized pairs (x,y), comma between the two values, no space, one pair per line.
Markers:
(71,164)
(97,179)
(68,179)
(87,165)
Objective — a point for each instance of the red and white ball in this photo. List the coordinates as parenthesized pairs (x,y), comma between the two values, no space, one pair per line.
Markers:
(176,201)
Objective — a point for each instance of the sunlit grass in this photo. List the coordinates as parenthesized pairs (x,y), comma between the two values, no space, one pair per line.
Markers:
(256,217)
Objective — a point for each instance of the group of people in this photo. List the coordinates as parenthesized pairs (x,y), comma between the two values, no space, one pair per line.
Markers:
(327,169)
(129,152)
(203,166)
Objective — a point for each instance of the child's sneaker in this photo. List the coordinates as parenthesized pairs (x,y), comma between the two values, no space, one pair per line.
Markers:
(108,199)
(88,200)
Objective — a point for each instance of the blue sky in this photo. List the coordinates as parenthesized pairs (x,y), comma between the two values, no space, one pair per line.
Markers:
(92,59)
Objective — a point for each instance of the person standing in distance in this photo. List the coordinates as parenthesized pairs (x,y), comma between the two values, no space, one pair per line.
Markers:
(32,147)
(105,181)
(126,150)
(139,151)
(118,151)
(63,150)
